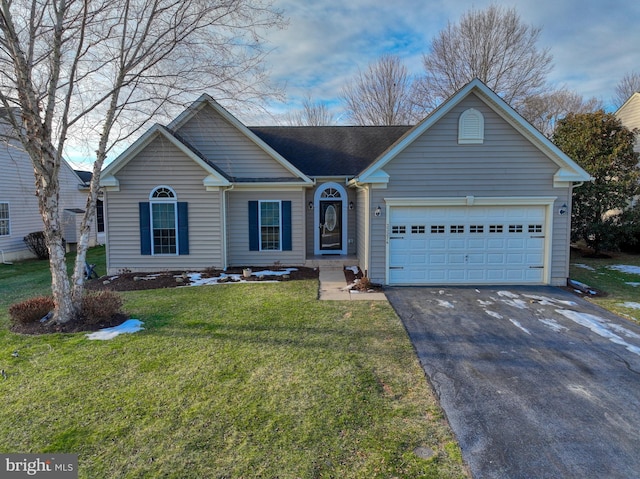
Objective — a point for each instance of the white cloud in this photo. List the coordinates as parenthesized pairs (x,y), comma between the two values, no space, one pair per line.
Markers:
(593,43)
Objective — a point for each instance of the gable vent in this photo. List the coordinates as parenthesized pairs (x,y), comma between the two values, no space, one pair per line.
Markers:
(471,127)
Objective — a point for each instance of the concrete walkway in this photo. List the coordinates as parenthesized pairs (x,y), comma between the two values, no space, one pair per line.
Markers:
(332,282)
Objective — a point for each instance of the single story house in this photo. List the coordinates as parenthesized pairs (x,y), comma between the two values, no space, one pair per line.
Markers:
(473,194)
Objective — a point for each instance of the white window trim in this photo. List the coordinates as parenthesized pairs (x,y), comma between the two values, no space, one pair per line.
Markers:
(279,225)
(153,201)
(8,219)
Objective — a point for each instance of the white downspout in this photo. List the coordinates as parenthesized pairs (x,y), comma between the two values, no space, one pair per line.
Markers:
(225,260)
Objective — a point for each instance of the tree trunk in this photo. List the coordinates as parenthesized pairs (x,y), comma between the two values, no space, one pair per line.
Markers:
(47,191)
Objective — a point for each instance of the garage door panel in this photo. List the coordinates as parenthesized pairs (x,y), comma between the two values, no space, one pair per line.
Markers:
(492,244)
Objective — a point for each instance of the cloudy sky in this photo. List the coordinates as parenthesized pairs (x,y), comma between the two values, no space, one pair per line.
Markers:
(593,42)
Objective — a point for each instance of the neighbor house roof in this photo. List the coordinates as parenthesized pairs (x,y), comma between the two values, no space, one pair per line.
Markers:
(330,150)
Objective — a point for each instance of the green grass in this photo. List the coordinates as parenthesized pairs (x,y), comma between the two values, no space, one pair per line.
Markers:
(243,380)
(610,281)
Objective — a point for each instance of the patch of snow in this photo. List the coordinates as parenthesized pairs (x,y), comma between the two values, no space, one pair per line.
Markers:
(493,314)
(584,266)
(353,269)
(129,326)
(631,304)
(445,304)
(545,301)
(485,303)
(518,325)
(624,331)
(507,294)
(553,324)
(516,303)
(633,283)
(196,279)
(625,268)
(600,326)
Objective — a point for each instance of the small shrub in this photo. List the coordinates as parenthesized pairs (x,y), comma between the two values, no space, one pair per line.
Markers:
(31,310)
(100,306)
(37,245)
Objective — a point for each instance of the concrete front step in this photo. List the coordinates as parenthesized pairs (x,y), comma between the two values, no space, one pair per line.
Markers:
(325,263)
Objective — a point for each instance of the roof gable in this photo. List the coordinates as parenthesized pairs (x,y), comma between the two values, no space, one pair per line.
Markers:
(109,180)
(205,101)
(569,171)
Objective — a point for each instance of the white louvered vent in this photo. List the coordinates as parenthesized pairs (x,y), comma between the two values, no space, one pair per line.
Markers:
(471,127)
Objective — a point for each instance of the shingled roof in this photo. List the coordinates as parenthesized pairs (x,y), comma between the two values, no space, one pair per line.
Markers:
(330,150)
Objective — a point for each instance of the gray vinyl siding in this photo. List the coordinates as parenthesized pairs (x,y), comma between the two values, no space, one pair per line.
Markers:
(161,163)
(506,164)
(238,228)
(17,188)
(228,148)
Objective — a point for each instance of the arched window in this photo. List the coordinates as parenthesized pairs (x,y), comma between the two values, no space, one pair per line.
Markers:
(471,127)
(164,220)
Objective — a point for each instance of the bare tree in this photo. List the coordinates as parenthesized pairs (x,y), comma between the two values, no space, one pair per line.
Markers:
(544,111)
(381,95)
(492,45)
(101,69)
(313,113)
(626,87)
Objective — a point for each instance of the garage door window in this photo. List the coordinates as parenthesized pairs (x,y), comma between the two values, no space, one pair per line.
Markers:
(398,230)
(437,229)
(457,229)
(418,229)
(495,228)
(515,228)
(535,228)
(476,229)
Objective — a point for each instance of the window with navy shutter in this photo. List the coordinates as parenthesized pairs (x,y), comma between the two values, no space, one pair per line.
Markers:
(270,225)
(164,224)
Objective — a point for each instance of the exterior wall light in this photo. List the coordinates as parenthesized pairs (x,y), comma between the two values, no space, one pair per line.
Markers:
(350,205)
(310,205)
(378,211)
(563,210)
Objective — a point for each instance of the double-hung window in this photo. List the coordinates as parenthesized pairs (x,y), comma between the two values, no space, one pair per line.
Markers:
(270,226)
(5,227)
(164,222)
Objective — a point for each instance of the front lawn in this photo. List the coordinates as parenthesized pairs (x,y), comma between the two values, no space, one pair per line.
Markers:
(241,380)
(620,284)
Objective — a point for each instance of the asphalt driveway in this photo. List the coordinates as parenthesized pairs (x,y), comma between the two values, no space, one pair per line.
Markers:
(535,382)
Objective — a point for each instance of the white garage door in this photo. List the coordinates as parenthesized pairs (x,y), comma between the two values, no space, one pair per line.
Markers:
(466,244)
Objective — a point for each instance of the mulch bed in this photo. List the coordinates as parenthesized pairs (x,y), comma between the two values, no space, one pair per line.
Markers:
(173,279)
(69,327)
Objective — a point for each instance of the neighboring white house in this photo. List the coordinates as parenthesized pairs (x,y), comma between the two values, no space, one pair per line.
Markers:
(19,213)
(473,194)
(629,115)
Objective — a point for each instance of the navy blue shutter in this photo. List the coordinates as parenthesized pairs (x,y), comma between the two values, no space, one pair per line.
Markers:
(286,226)
(183,228)
(254,234)
(145,228)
